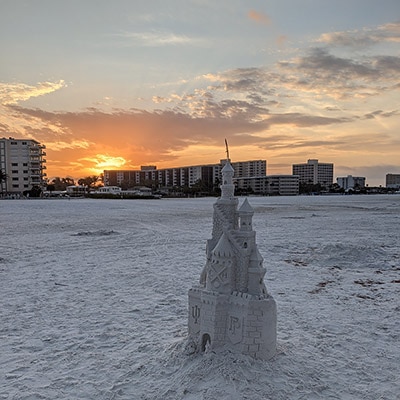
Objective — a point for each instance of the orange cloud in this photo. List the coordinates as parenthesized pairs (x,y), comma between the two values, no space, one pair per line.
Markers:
(95,140)
(101,162)
(259,17)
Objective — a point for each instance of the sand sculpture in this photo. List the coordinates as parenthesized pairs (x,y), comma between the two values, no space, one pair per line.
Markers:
(230,308)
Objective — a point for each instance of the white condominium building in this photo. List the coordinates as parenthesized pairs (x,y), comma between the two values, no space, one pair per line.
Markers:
(271,185)
(22,164)
(351,182)
(209,174)
(314,173)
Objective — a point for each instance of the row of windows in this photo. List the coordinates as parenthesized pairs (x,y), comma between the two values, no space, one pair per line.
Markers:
(17,186)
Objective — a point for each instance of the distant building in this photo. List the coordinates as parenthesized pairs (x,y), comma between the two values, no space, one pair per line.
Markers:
(351,182)
(247,168)
(23,163)
(314,173)
(393,181)
(77,190)
(209,174)
(272,185)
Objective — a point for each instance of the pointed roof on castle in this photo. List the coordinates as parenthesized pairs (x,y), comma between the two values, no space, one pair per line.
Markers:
(246,208)
(228,167)
(223,247)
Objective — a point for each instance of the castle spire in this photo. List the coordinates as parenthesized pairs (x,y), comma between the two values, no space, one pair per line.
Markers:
(227,187)
(245,215)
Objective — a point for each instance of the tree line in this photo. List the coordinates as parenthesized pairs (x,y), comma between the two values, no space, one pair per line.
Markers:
(58,184)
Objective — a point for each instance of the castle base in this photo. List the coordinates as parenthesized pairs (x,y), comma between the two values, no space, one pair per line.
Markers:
(240,322)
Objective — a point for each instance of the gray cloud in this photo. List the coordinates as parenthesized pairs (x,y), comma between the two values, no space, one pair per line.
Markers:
(339,77)
(389,33)
(317,72)
(388,64)
(320,61)
(380,113)
(342,143)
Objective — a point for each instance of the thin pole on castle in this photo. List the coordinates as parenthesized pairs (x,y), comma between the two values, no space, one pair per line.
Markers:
(227,149)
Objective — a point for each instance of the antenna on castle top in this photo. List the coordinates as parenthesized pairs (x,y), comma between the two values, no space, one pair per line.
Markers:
(227,150)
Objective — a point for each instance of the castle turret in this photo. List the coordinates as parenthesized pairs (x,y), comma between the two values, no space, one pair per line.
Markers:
(246,213)
(227,187)
(225,208)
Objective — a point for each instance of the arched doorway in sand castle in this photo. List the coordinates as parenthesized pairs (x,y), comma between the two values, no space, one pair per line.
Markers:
(205,342)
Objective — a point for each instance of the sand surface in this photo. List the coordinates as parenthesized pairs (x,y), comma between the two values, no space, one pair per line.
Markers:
(93,300)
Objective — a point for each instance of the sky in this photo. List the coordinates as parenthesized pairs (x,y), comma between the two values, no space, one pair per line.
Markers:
(124,83)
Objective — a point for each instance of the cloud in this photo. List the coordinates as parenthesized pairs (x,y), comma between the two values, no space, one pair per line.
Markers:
(100,162)
(304,120)
(389,33)
(254,79)
(382,114)
(14,93)
(325,74)
(259,17)
(335,146)
(135,137)
(11,122)
(64,145)
(317,72)
(387,64)
(159,38)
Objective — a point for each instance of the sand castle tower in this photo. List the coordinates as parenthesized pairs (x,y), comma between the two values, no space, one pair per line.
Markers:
(230,308)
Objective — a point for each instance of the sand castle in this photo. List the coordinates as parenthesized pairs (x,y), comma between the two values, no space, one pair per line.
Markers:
(230,308)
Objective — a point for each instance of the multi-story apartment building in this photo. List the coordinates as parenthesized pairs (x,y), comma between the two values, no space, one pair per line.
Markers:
(272,185)
(247,168)
(209,174)
(23,163)
(314,173)
(393,181)
(351,182)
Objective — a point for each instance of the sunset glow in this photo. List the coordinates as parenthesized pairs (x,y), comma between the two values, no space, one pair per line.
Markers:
(123,84)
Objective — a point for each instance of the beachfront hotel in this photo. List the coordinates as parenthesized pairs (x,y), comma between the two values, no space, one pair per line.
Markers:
(23,164)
